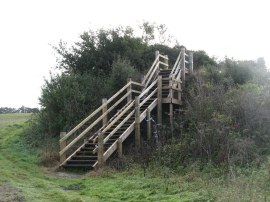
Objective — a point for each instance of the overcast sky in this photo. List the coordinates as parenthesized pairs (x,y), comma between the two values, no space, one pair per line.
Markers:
(233,28)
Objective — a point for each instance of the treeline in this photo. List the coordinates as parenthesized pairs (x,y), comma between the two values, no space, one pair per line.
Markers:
(22,109)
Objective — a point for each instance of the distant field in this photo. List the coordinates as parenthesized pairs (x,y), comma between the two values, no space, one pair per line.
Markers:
(15,118)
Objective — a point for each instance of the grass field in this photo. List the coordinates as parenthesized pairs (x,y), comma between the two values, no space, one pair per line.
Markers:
(22,179)
(10,119)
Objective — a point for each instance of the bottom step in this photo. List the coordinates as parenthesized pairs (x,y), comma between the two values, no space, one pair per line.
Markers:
(78,166)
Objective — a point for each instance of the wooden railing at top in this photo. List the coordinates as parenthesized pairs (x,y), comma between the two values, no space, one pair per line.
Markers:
(155,68)
(65,146)
(179,69)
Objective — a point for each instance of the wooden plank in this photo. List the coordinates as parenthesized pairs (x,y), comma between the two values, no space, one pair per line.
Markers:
(183,66)
(149,126)
(176,80)
(118,117)
(143,115)
(148,97)
(166,100)
(151,75)
(109,151)
(128,131)
(129,88)
(92,125)
(176,62)
(153,104)
(150,70)
(63,144)
(100,149)
(118,126)
(93,113)
(105,117)
(136,91)
(136,83)
(191,62)
(137,123)
(159,96)
(147,89)
(120,147)
(164,64)
(176,101)
(164,56)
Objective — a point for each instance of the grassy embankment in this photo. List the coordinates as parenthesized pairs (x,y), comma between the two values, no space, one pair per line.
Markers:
(22,179)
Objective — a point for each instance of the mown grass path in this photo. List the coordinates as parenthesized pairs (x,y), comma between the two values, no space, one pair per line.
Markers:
(22,179)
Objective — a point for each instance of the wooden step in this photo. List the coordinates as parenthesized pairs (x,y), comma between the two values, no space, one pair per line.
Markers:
(78,165)
(84,157)
(80,162)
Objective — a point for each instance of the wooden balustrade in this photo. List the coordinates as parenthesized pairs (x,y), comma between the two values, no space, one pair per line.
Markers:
(65,146)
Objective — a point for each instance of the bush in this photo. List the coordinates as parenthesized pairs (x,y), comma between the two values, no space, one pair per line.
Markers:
(221,126)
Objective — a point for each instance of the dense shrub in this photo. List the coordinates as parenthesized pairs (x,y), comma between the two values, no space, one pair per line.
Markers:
(221,125)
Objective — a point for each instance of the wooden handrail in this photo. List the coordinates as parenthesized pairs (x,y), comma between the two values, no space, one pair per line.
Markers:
(94,113)
(136,83)
(152,74)
(165,64)
(148,97)
(147,89)
(164,57)
(150,70)
(176,62)
(119,125)
(118,117)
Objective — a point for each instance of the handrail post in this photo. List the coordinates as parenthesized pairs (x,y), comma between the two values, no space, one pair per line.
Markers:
(191,62)
(137,123)
(166,61)
(63,144)
(100,149)
(183,65)
(156,54)
(159,96)
(129,89)
(149,126)
(170,86)
(104,109)
(120,147)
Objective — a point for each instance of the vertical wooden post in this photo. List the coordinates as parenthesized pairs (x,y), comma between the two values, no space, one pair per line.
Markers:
(104,109)
(120,148)
(149,125)
(129,97)
(100,149)
(183,66)
(170,86)
(137,123)
(63,144)
(179,92)
(191,62)
(159,94)
(171,116)
(166,61)
(156,54)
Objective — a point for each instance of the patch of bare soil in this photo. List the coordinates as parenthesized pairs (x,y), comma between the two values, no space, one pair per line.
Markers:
(9,193)
(56,172)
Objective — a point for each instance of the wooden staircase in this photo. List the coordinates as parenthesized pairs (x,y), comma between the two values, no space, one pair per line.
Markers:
(103,132)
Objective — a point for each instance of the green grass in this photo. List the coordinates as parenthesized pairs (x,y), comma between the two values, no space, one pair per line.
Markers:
(10,119)
(19,168)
